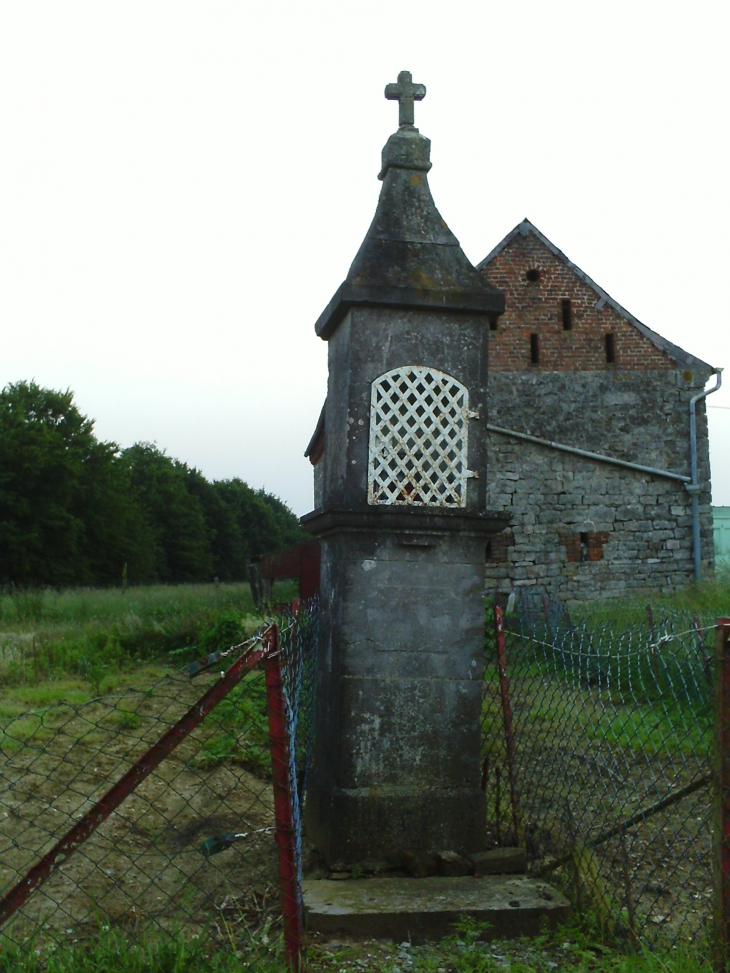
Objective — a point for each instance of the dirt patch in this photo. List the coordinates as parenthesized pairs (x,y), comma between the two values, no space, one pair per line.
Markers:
(147,864)
(584,763)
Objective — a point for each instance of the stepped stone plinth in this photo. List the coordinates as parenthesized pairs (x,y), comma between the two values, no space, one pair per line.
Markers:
(426,909)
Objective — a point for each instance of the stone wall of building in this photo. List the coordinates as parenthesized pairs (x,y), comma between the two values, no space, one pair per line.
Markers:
(642,417)
(583,529)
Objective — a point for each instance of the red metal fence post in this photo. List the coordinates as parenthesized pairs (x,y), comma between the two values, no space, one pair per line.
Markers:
(722,796)
(283,808)
(507,714)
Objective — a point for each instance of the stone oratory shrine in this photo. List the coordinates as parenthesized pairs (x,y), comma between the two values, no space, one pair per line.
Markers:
(402,522)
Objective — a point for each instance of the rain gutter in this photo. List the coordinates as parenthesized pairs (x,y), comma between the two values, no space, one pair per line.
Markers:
(598,457)
(693,488)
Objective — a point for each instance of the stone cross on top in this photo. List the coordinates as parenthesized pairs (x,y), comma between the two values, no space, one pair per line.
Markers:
(405,92)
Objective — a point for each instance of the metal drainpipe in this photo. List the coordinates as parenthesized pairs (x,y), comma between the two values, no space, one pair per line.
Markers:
(693,488)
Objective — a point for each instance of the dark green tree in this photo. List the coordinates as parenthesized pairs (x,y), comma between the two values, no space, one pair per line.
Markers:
(227,545)
(264,522)
(174,514)
(66,513)
(74,510)
(288,530)
(255,521)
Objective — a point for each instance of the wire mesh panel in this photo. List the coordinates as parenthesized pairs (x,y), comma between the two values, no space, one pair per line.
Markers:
(419,419)
(299,634)
(190,851)
(603,768)
(154,861)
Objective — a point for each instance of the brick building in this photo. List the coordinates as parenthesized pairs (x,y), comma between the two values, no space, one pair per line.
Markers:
(589,436)
(571,367)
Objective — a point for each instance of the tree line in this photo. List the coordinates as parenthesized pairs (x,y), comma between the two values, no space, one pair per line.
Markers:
(77,511)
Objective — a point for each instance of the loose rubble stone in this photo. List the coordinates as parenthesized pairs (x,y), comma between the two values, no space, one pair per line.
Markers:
(500,861)
(451,863)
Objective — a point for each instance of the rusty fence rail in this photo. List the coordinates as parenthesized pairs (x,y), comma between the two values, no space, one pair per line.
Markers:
(171,811)
(598,758)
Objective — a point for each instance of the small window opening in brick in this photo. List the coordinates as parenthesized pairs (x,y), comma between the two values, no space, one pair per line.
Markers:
(492,324)
(533,275)
(534,349)
(495,550)
(610,349)
(567,309)
(585,546)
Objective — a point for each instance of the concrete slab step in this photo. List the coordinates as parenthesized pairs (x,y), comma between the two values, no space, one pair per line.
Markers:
(425,909)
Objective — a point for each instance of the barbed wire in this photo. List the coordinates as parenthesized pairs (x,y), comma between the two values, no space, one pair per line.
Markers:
(669,637)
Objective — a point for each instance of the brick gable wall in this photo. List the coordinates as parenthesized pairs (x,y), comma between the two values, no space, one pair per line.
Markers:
(536,308)
(580,529)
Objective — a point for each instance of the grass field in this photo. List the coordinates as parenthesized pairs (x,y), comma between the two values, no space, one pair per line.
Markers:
(710,599)
(77,646)
(89,680)
(73,645)
(80,605)
(611,714)
(572,948)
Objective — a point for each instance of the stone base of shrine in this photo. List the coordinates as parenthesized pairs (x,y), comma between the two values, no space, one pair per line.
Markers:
(426,909)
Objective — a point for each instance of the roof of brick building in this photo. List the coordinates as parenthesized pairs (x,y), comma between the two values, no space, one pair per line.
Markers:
(683,358)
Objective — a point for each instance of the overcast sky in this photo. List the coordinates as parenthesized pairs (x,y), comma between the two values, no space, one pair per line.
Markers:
(184,185)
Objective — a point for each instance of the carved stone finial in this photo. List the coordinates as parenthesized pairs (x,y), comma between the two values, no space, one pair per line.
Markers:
(405,92)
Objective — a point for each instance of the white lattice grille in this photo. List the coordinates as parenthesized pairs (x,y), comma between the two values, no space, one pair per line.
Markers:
(418,438)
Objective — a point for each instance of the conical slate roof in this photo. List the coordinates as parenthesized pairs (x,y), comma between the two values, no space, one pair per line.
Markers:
(409,257)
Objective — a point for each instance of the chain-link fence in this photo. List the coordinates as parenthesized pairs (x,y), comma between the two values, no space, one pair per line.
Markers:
(155,810)
(598,758)
(598,740)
